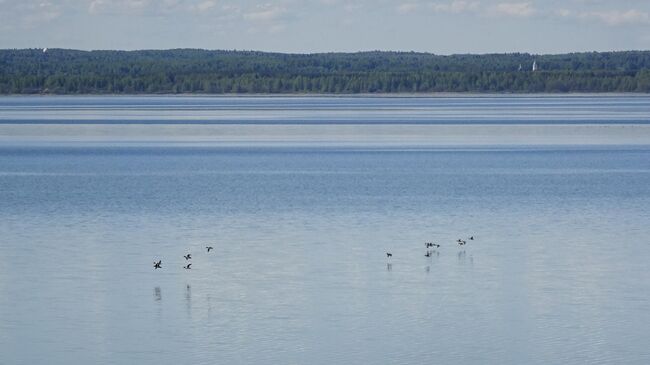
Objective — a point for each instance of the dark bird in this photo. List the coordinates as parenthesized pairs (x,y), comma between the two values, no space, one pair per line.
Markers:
(187,267)
(188,256)
(157,265)
(209,248)
(461,243)
(471,238)
(435,245)
(388,254)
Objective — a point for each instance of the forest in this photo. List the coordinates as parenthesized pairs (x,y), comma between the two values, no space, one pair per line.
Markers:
(62,71)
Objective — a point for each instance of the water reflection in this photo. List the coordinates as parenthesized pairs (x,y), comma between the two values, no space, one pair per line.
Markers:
(277,302)
(188,300)
(461,256)
(208,299)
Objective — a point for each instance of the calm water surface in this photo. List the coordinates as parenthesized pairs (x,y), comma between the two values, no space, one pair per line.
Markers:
(557,274)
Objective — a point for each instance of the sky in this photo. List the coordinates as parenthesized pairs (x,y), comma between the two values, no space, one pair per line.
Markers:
(308,26)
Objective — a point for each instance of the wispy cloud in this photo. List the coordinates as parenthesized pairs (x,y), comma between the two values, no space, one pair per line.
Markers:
(152,7)
(265,13)
(452,7)
(117,6)
(360,23)
(489,8)
(204,5)
(29,13)
(618,17)
(562,13)
(406,8)
(455,7)
(267,18)
(521,9)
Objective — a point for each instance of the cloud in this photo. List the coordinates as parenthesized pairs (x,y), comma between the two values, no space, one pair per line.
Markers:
(267,18)
(126,7)
(139,7)
(29,13)
(562,13)
(617,17)
(118,6)
(346,5)
(265,13)
(46,11)
(594,10)
(455,7)
(206,5)
(406,8)
(523,9)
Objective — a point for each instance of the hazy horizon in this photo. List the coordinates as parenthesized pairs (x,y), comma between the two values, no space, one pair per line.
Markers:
(319,52)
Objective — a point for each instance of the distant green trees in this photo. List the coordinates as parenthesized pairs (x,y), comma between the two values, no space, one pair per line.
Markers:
(59,71)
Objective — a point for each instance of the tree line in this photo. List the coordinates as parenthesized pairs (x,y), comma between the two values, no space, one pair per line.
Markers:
(61,71)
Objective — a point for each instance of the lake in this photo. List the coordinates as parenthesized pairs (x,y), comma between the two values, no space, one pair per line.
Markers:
(301,198)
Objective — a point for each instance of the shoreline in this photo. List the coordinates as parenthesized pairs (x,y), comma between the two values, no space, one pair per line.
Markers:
(361,95)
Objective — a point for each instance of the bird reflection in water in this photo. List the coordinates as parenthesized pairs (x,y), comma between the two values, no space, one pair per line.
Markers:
(389,267)
(461,255)
(209,305)
(156,294)
(188,300)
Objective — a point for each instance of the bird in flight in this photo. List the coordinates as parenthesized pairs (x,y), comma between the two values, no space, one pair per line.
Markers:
(157,265)
(188,256)
(209,248)
(187,267)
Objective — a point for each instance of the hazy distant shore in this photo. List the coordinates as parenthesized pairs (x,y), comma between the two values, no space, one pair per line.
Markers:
(195,71)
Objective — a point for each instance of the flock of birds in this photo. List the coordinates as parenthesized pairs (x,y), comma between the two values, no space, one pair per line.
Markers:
(431,245)
(188,257)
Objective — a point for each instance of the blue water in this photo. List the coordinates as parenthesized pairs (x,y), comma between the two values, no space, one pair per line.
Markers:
(485,109)
(557,273)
